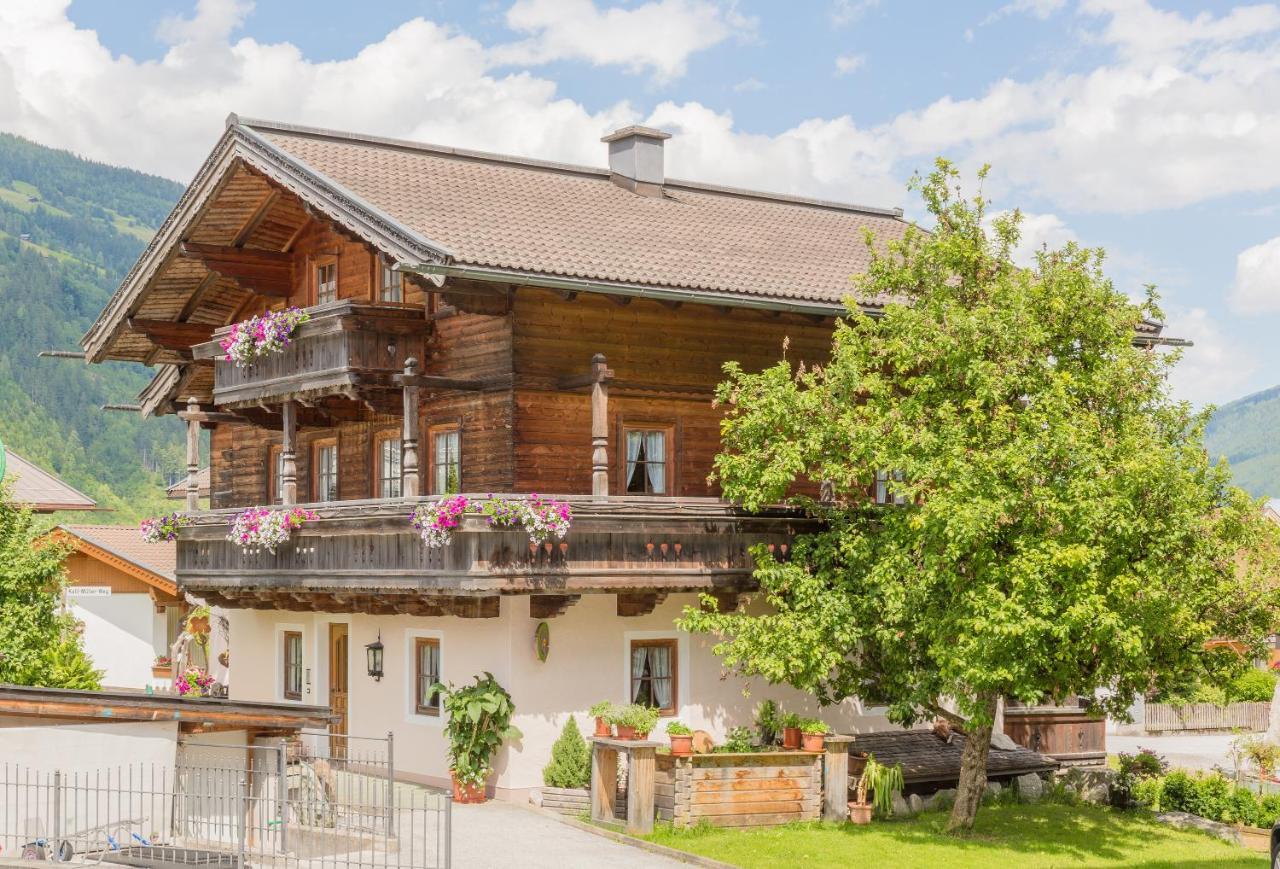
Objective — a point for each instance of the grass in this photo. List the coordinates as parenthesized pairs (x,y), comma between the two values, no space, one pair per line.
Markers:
(1043,835)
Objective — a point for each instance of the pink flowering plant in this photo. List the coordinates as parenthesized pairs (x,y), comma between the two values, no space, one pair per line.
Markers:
(162,529)
(261,528)
(436,522)
(194,681)
(261,336)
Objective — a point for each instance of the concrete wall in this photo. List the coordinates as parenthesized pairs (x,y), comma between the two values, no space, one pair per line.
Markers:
(588,662)
(122,634)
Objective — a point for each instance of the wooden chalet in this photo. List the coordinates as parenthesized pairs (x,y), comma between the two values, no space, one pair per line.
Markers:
(483,324)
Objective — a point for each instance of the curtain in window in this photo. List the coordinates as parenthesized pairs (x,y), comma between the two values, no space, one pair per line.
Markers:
(656,460)
(428,673)
(639,656)
(635,439)
(660,670)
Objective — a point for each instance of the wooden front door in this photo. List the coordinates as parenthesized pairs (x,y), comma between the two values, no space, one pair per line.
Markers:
(338,688)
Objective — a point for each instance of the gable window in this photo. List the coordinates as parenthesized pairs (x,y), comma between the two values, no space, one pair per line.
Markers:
(884,493)
(292,658)
(426,657)
(653,674)
(386,458)
(646,471)
(326,470)
(446,460)
(275,469)
(392,288)
(326,282)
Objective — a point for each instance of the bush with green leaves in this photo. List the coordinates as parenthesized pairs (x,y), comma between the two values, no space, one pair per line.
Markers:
(813,727)
(678,728)
(1132,770)
(768,722)
(1211,796)
(737,741)
(570,765)
(1251,686)
(637,716)
(479,721)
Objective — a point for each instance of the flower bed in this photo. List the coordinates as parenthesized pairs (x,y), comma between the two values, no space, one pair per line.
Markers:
(261,335)
(261,528)
(162,529)
(543,519)
(754,789)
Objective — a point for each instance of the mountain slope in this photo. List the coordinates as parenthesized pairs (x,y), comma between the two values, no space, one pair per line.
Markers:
(69,230)
(1247,432)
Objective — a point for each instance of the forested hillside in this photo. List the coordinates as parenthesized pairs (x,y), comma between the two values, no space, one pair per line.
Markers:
(1247,432)
(69,230)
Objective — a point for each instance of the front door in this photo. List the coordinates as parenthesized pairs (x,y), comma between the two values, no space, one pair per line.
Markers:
(338,688)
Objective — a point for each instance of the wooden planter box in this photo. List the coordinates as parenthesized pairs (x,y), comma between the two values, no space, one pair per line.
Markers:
(757,789)
(566,801)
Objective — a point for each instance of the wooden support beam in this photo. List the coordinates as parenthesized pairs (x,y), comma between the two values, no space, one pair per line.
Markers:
(255,219)
(267,273)
(435,382)
(548,606)
(172,335)
(410,484)
(288,454)
(486,607)
(620,301)
(193,457)
(726,601)
(600,426)
(639,603)
(198,295)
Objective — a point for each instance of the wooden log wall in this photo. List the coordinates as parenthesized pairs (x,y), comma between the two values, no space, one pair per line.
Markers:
(739,790)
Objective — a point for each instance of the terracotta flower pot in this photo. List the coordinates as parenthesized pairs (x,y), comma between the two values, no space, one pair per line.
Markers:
(859,813)
(625,732)
(682,746)
(603,727)
(791,738)
(467,794)
(813,741)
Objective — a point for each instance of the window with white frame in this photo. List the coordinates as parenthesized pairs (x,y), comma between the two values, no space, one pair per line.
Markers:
(446,460)
(387,457)
(884,492)
(326,282)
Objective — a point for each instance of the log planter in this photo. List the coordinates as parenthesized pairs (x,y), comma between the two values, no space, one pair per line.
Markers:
(755,789)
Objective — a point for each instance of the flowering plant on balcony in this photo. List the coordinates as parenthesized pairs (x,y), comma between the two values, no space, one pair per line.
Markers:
(262,335)
(543,518)
(435,522)
(194,681)
(266,529)
(162,529)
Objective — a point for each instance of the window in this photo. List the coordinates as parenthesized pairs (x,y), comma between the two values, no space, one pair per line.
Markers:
(276,471)
(653,674)
(292,665)
(326,470)
(386,458)
(883,493)
(646,467)
(326,282)
(446,460)
(391,287)
(426,656)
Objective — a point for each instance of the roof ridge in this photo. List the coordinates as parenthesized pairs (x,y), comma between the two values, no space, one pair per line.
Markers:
(262,124)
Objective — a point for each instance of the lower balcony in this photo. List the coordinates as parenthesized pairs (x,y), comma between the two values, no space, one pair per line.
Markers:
(365,556)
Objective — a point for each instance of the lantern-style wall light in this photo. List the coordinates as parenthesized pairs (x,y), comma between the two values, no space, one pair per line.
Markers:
(374,652)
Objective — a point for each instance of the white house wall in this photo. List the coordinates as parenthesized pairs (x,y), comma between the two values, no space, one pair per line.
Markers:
(588,662)
(121,632)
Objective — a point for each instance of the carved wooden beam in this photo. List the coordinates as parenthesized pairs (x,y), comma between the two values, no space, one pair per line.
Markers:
(267,273)
(170,335)
(486,607)
(639,603)
(548,606)
(432,381)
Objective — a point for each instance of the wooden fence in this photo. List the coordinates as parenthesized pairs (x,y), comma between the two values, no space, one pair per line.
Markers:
(1164,718)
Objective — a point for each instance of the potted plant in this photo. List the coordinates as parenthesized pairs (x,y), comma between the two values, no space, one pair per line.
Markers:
(881,781)
(601,712)
(813,733)
(162,667)
(790,731)
(681,739)
(479,722)
(635,721)
(768,723)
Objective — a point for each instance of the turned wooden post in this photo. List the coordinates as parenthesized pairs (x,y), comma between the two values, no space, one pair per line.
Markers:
(835,778)
(600,377)
(289,454)
(409,484)
(193,455)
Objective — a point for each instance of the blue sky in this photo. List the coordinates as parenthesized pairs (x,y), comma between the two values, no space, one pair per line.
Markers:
(1147,128)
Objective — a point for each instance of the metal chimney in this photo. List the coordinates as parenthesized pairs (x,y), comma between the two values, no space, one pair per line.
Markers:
(635,159)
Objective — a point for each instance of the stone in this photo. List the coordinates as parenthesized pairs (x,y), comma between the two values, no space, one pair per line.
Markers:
(993,789)
(1030,787)
(916,803)
(1098,793)
(940,800)
(1183,821)
(901,809)
(1002,741)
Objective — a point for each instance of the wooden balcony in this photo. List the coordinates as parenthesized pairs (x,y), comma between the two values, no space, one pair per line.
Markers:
(346,348)
(365,556)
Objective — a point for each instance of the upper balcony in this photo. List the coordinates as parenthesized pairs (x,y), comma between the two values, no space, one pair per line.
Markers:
(345,348)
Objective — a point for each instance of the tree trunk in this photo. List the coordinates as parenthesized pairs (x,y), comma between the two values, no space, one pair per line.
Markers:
(973,769)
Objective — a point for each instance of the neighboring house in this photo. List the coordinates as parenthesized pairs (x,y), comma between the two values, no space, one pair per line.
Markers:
(125,593)
(178,491)
(483,324)
(38,489)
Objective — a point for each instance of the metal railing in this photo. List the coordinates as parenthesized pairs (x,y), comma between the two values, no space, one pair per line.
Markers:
(260,809)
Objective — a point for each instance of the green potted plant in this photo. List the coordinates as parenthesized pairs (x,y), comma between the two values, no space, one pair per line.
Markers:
(635,721)
(813,734)
(768,723)
(881,781)
(479,722)
(600,712)
(790,731)
(681,739)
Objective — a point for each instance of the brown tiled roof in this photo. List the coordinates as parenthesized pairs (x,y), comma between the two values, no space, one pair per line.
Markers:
(178,490)
(125,542)
(926,757)
(551,219)
(40,490)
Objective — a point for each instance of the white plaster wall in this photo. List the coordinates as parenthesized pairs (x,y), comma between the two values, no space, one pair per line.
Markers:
(87,747)
(588,662)
(120,635)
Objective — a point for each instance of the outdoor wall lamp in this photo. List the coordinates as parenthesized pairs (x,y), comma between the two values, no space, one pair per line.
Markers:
(374,652)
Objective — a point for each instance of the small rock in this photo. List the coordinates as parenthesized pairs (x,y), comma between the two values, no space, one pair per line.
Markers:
(993,789)
(900,807)
(1183,821)
(915,803)
(940,800)
(1097,793)
(535,796)
(1030,787)
(1002,741)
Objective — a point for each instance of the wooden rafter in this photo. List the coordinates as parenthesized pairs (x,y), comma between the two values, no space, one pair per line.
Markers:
(170,335)
(548,606)
(639,603)
(267,273)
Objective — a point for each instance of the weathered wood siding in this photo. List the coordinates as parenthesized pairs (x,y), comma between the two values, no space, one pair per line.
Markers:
(739,790)
(1165,718)
(1066,734)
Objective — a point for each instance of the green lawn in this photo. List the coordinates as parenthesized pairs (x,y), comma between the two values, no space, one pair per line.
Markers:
(1007,836)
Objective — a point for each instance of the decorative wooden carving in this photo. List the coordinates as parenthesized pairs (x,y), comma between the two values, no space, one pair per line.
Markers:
(289,453)
(600,377)
(410,485)
(267,273)
(639,603)
(193,455)
(548,606)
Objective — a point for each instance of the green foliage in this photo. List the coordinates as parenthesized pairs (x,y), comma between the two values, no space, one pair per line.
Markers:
(881,782)
(1211,796)
(737,741)
(570,765)
(677,728)
(479,722)
(813,725)
(1132,770)
(38,644)
(1247,685)
(601,709)
(640,718)
(791,719)
(1252,686)
(1060,527)
(768,722)
(1243,432)
(87,225)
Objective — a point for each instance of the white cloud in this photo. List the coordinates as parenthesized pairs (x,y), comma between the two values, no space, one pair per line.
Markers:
(659,36)
(1039,231)
(1041,9)
(845,12)
(848,63)
(1217,368)
(1257,286)
(749,85)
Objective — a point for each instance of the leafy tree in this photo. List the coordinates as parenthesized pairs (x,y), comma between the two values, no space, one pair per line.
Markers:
(570,765)
(1054,525)
(38,644)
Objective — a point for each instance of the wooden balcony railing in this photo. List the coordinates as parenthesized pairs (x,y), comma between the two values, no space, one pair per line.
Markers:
(344,348)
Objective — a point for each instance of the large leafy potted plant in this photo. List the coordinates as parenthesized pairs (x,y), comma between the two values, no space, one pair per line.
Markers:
(479,722)
(880,780)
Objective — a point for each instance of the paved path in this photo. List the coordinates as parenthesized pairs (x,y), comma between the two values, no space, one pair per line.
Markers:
(497,834)
(1188,751)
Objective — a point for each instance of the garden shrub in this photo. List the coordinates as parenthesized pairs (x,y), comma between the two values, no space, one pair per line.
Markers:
(1251,686)
(570,765)
(1180,793)
(1210,796)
